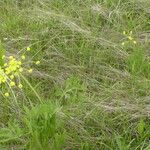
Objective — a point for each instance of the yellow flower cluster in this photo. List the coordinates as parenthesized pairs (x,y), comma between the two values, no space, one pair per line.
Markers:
(10,72)
(129,37)
(13,66)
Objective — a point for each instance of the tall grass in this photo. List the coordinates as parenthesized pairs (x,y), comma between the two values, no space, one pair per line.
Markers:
(91,90)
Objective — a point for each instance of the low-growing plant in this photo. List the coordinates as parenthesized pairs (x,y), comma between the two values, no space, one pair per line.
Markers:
(12,69)
(39,127)
(73,91)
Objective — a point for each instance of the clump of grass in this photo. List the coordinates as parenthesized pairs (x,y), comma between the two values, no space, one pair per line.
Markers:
(37,127)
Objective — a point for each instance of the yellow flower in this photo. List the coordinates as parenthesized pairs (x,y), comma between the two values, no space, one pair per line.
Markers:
(134,42)
(3,57)
(28,48)
(12,66)
(12,83)
(19,62)
(124,32)
(11,70)
(20,86)
(12,77)
(130,38)
(6,94)
(5,64)
(4,80)
(131,32)
(23,57)
(123,43)
(11,57)
(21,69)
(30,70)
(37,62)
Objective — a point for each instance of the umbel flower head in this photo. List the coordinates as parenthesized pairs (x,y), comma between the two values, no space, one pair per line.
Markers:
(13,66)
(130,38)
(10,73)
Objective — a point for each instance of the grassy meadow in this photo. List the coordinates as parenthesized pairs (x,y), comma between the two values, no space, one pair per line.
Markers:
(74,75)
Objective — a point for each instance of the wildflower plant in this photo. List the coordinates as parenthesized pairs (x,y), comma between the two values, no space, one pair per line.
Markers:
(11,72)
(129,37)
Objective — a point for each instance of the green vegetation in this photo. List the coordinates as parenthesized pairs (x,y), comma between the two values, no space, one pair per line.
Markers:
(89,81)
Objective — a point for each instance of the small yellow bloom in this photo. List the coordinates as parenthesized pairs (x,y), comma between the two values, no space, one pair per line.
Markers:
(37,62)
(131,32)
(130,38)
(124,32)
(123,43)
(12,83)
(30,70)
(23,57)
(5,64)
(20,86)
(12,77)
(19,62)
(7,72)
(6,94)
(3,57)
(3,80)
(21,69)
(11,57)
(134,42)
(28,48)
